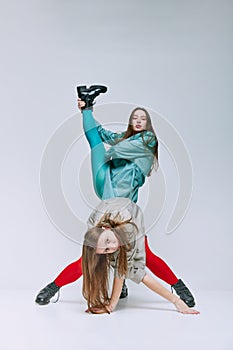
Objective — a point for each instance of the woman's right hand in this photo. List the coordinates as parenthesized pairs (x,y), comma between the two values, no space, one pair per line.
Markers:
(81,104)
(99,310)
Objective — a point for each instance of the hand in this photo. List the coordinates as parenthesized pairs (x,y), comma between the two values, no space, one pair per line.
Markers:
(97,310)
(100,310)
(111,307)
(81,103)
(183,308)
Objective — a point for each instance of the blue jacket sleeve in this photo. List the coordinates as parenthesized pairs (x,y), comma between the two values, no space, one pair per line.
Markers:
(109,137)
(149,139)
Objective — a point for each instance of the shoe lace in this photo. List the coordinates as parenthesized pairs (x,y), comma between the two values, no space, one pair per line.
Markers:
(58,297)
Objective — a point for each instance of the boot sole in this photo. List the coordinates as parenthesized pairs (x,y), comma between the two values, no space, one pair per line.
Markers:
(42,302)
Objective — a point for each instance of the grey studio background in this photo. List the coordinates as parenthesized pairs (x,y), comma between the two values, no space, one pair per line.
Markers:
(174,57)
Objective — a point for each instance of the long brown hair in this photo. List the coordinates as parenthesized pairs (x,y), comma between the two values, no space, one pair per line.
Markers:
(130,132)
(95,267)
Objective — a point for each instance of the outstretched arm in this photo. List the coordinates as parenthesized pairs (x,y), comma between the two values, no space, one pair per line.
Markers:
(116,292)
(154,285)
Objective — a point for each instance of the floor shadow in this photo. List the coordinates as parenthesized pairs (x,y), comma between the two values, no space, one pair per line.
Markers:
(127,304)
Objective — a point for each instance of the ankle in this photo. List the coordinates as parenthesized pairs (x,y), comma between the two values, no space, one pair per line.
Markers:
(87,109)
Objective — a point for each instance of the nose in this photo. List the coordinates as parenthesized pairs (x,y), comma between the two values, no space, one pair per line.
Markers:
(112,246)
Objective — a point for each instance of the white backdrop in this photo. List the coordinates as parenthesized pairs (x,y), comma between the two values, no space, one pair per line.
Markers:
(174,57)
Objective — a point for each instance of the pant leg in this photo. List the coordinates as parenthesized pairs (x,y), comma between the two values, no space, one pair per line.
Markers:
(74,271)
(70,274)
(98,164)
(159,267)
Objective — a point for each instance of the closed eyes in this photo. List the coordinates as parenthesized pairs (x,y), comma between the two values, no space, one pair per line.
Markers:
(143,118)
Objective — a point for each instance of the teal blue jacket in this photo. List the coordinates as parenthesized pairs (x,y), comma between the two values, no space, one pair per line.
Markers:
(129,162)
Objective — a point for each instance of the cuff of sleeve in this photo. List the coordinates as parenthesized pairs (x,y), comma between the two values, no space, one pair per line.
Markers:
(139,275)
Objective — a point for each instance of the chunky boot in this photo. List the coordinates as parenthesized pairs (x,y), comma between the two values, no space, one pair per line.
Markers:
(124,291)
(184,293)
(44,296)
(89,94)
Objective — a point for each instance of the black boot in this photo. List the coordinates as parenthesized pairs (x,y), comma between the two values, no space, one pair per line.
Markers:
(44,296)
(184,293)
(124,291)
(89,94)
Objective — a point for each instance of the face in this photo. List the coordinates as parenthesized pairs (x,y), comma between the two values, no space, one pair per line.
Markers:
(107,243)
(139,120)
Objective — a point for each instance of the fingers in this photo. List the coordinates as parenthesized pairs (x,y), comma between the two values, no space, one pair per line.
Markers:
(184,309)
(108,309)
(191,311)
(88,311)
(81,104)
(97,310)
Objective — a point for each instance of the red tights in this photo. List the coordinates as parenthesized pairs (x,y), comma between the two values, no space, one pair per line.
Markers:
(159,268)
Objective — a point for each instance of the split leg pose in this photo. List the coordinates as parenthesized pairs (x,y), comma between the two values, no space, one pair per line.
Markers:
(116,239)
(130,159)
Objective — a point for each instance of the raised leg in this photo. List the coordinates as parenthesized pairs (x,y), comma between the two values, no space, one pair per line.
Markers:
(98,164)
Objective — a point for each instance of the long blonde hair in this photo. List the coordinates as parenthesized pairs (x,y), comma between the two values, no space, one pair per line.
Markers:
(95,267)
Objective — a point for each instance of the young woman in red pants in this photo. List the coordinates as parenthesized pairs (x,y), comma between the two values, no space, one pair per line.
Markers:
(116,238)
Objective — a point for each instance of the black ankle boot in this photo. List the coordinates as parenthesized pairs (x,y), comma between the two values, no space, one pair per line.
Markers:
(88,95)
(44,296)
(184,293)
(124,291)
